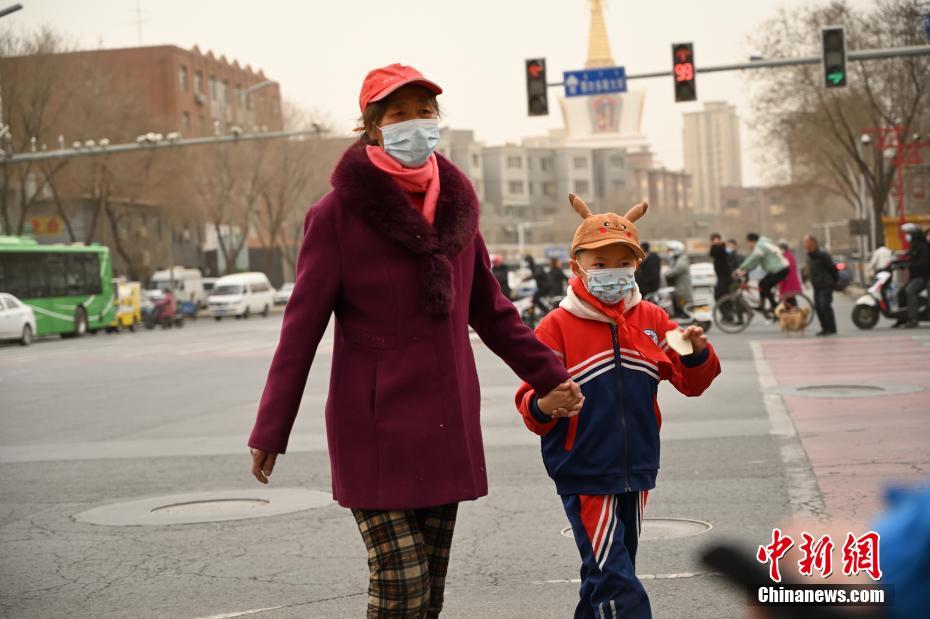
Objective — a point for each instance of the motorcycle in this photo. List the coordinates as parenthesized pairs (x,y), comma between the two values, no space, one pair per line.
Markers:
(698,314)
(152,316)
(881,299)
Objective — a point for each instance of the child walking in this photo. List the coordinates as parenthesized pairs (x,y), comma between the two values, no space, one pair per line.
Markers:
(604,460)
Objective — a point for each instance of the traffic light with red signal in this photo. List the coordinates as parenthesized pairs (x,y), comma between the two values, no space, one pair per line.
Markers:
(683,71)
(537,94)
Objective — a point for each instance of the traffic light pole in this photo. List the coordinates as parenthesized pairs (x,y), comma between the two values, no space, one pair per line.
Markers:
(866,54)
(145,146)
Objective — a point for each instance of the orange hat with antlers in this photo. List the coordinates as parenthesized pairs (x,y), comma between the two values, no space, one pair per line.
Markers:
(607,228)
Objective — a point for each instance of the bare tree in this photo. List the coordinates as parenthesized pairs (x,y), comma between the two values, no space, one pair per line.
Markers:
(229,182)
(35,93)
(819,130)
(296,172)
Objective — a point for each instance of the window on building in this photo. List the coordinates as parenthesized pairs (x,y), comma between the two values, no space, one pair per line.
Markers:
(548,188)
(531,188)
(545,164)
(475,161)
(182,78)
(515,162)
(185,121)
(515,187)
(198,83)
(214,93)
(224,92)
(240,97)
(582,187)
(581,163)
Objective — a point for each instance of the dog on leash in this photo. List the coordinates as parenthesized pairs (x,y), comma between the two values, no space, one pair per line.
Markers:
(792,319)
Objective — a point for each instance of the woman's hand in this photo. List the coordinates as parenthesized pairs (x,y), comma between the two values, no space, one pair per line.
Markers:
(697,338)
(563,401)
(262,464)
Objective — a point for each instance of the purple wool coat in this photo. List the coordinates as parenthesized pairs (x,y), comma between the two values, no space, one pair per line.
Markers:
(402,415)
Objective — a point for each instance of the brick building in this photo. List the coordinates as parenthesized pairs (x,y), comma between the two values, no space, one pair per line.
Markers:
(81,97)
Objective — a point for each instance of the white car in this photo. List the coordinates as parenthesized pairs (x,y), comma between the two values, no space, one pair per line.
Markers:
(241,295)
(17,321)
(283,295)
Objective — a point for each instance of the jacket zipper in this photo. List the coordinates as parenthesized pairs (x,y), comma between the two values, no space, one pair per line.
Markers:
(626,435)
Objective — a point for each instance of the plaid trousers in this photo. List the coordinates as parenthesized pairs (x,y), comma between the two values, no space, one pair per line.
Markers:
(408,554)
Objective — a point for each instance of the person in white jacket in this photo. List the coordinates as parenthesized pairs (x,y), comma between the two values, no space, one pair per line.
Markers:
(880,260)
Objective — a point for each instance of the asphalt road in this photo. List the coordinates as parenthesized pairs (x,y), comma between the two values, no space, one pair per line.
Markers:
(110,418)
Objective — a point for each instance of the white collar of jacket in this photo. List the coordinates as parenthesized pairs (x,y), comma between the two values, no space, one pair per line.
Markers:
(575,306)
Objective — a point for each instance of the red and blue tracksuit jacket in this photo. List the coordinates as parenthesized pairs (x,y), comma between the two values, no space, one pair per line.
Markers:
(617,355)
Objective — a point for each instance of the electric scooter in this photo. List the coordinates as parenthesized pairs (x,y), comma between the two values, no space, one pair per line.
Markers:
(881,299)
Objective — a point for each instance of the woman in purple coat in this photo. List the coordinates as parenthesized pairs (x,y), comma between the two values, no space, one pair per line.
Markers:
(395,253)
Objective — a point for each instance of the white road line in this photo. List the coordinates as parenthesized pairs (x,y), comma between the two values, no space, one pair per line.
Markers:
(803,492)
(576,581)
(241,613)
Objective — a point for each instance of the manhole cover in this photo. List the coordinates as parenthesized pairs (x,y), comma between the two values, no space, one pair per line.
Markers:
(839,390)
(214,506)
(664,528)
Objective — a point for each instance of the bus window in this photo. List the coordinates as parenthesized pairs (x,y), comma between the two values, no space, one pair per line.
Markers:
(74,274)
(88,265)
(55,274)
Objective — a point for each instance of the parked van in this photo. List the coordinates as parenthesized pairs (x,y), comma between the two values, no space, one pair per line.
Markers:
(241,295)
(188,284)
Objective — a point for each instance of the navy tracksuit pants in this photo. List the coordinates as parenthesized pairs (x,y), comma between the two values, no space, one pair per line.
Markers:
(606,529)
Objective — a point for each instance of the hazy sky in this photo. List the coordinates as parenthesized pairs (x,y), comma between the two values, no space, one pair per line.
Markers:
(475,49)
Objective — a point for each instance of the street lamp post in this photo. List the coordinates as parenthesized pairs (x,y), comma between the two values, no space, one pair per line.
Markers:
(523,226)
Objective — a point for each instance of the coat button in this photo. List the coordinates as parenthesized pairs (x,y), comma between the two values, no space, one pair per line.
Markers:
(442,425)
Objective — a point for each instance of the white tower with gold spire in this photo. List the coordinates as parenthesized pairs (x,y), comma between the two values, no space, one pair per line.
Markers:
(601,121)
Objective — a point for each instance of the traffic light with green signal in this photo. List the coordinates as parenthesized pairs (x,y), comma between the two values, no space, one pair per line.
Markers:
(834,57)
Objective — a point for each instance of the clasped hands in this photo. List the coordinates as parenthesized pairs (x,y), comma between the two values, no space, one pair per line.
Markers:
(563,401)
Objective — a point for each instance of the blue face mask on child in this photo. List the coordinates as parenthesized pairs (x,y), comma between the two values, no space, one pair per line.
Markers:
(412,141)
(610,286)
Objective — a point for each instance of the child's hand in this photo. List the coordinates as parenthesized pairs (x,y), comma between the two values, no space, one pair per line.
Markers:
(563,401)
(697,338)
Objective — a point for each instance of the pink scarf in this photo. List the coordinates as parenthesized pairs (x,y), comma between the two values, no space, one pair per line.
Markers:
(422,184)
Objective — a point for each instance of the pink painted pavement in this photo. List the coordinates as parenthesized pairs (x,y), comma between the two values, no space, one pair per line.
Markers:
(857,445)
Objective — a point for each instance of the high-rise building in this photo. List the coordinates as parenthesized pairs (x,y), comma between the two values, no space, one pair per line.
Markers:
(459,146)
(712,153)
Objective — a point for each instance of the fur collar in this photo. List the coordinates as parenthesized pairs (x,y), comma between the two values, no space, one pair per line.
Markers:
(379,202)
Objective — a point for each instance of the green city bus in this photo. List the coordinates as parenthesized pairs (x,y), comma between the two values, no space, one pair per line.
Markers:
(69,287)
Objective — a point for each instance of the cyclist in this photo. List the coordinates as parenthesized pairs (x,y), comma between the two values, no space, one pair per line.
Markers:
(767,255)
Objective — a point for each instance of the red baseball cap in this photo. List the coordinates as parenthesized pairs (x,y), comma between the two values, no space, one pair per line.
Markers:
(379,83)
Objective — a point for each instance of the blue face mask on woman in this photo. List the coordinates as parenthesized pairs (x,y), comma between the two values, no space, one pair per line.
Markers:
(412,141)
(610,285)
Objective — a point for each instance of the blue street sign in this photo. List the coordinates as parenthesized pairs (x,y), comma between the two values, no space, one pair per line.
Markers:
(594,81)
(927,25)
